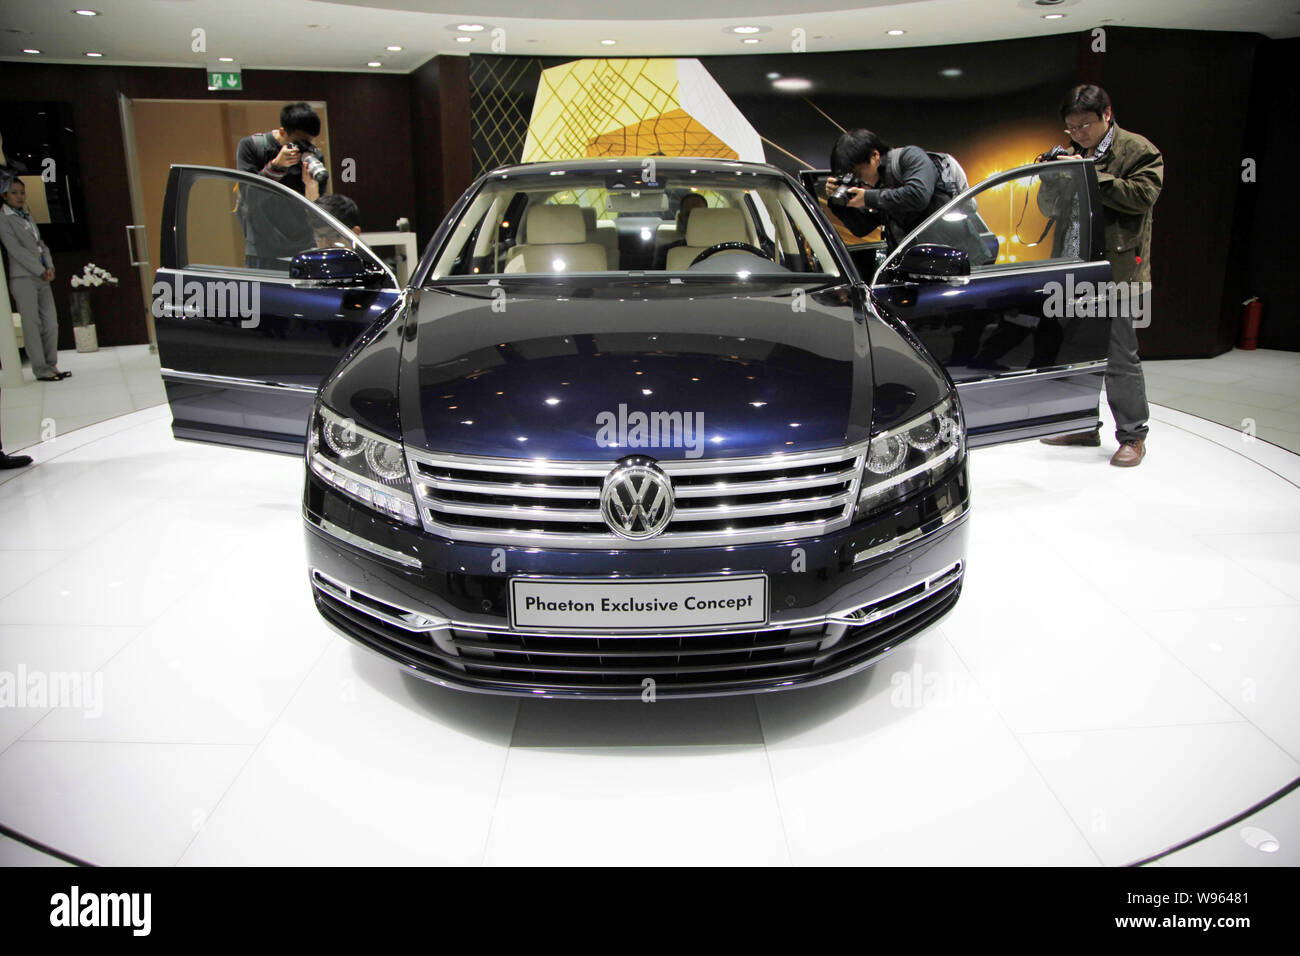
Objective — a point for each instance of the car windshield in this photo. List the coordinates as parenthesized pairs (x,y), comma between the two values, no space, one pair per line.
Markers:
(699,221)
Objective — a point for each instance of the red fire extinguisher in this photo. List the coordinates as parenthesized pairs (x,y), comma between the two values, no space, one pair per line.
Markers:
(1250,315)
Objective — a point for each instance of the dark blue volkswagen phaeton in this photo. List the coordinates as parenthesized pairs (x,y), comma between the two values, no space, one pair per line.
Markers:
(602,440)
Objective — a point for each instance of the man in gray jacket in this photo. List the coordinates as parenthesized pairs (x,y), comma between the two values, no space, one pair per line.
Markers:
(1131,173)
(31,269)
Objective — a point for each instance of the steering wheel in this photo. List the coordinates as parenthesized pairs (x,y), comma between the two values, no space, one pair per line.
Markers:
(730,247)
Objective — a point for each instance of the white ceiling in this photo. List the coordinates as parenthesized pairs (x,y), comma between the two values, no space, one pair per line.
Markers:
(346,34)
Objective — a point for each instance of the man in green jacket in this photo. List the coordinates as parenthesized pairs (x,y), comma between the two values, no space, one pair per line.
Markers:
(1130,171)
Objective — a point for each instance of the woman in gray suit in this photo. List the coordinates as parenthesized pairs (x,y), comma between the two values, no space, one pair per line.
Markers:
(31,270)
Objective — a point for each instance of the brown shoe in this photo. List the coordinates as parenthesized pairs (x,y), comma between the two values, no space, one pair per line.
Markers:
(1090,439)
(1130,453)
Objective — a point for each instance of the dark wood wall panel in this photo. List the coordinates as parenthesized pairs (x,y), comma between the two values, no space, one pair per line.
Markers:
(1186,91)
(440,125)
(1263,255)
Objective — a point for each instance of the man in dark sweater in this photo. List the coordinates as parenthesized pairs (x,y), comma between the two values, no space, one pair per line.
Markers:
(274,229)
(903,190)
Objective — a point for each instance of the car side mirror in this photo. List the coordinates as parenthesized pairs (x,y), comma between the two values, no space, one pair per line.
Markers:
(930,261)
(335,266)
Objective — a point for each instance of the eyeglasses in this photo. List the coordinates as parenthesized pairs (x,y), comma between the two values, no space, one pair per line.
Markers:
(1079,129)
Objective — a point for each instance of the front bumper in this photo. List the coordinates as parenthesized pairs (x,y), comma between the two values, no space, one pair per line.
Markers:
(838,603)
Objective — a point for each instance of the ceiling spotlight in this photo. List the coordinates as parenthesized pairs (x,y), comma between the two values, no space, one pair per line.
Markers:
(1053,16)
(774,76)
(394,49)
(608,42)
(374,63)
(751,40)
(745,29)
(895,33)
(94,54)
(792,84)
(86,13)
(225,59)
(469,27)
(31,50)
(951,72)
(464,39)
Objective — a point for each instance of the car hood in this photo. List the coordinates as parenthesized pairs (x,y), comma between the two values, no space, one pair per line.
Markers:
(716,367)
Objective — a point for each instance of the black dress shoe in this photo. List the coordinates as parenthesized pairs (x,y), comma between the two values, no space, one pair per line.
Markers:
(14,461)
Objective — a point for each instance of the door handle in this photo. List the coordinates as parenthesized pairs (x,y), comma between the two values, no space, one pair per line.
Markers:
(1078,298)
(131,247)
(180,311)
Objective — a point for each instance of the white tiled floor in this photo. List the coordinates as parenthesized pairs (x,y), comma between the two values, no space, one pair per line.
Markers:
(104,385)
(1261,386)
(1119,675)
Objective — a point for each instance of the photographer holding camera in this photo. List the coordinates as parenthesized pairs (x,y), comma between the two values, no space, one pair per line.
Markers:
(898,188)
(275,229)
(1130,173)
(288,154)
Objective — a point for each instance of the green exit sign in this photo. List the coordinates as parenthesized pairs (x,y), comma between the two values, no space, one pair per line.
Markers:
(225,81)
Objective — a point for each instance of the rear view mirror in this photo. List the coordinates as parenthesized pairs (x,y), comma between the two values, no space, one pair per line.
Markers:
(337,266)
(929,261)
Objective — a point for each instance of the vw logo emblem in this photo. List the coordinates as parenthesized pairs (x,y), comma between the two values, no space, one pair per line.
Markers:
(636,499)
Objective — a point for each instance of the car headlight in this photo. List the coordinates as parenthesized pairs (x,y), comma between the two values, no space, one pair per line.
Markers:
(908,458)
(361,464)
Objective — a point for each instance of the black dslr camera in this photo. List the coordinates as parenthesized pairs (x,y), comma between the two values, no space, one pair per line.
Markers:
(1053,153)
(846,181)
(314,160)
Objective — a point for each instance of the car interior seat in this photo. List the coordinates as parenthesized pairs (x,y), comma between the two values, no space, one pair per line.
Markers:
(556,241)
(707,227)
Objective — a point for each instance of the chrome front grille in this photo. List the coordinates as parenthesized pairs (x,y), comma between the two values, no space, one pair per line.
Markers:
(557,503)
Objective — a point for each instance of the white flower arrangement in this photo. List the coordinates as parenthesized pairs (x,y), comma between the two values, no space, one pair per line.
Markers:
(93,276)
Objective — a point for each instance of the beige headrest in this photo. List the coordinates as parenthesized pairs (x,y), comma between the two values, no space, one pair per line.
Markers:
(556,224)
(708,227)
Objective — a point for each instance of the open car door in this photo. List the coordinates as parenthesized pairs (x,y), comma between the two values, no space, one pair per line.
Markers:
(1008,286)
(258,296)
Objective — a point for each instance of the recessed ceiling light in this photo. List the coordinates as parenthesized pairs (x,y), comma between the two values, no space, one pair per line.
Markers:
(469,27)
(950,72)
(895,33)
(1053,16)
(464,39)
(394,49)
(608,42)
(745,29)
(751,40)
(31,50)
(94,54)
(792,84)
(86,13)
(374,63)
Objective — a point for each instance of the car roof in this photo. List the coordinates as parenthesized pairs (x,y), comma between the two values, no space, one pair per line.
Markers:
(633,164)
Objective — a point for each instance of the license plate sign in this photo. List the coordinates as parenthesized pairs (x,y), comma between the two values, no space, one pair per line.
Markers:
(654,605)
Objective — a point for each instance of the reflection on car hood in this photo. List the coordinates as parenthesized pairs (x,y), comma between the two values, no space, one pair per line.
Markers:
(559,369)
